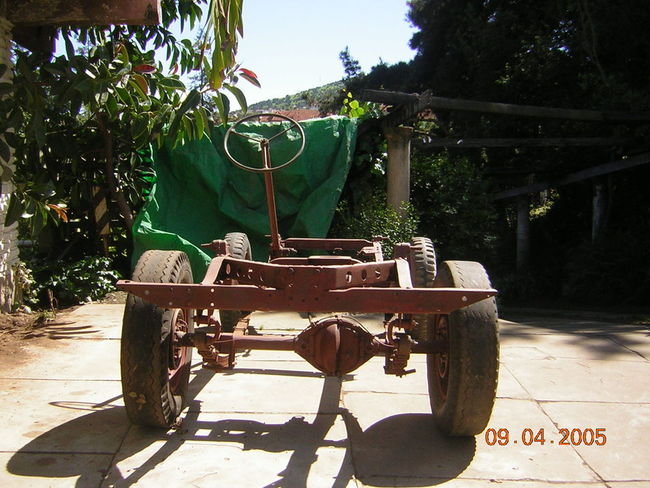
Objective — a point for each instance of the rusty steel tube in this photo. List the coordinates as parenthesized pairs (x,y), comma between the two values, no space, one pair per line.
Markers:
(270,198)
(262,342)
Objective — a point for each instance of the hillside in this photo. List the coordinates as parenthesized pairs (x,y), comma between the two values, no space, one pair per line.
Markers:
(319,98)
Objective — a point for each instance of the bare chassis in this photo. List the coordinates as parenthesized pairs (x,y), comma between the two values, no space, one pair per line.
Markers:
(461,343)
(312,284)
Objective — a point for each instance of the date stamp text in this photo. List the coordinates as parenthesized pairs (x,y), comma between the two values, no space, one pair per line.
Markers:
(528,437)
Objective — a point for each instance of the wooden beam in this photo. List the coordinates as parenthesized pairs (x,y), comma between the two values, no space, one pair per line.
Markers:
(388,97)
(468,142)
(585,174)
(411,106)
(523,234)
(83,12)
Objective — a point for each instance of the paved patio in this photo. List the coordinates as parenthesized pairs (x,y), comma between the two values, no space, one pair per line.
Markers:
(276,422)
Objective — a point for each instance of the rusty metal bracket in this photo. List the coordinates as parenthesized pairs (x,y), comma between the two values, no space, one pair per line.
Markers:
(397,359)
(218,246)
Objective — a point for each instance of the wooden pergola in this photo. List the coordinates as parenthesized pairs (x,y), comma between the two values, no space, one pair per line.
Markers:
(407,107)
(35,21)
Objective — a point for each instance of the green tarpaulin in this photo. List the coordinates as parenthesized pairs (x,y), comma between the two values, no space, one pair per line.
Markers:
(200,196)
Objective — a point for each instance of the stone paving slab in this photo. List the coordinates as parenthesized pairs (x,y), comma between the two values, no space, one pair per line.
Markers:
(624,454)
(472,483)
(62,416)
(239,450)
(386,425)
(53,470)
(276,421)
(568,346)
(583,380)
(93,321)
(70,360)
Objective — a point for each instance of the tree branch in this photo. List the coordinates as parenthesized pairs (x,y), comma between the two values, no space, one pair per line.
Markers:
(111,180)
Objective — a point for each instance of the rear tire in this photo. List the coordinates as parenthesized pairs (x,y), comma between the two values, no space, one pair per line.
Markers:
(240,248)
(155,371)
(463,379)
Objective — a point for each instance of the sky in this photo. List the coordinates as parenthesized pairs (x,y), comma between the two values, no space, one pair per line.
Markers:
(293,45)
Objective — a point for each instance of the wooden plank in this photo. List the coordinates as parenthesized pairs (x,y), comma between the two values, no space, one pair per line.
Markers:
(83,12)
(410,107)
(468,142)
(582,175)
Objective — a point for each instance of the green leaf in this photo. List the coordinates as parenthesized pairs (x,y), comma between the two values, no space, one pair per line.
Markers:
(14,210)
(30,208)
(188,128)
(69,48)
(6,88)
(75,104)
(138,90)
(12,139)
(239,95)
(140,126)
(124,95)
(249,76)
(206,119)
(191,100)
(142,83)
(7,172)
(111,106)
(216,75)
(198,121)
(5,151)
(172,83)
(218,101)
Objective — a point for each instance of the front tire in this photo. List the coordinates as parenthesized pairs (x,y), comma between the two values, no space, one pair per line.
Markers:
(463,378)
(155,369)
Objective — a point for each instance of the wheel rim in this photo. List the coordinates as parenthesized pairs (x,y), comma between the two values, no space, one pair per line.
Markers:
(441,359)
(178,355)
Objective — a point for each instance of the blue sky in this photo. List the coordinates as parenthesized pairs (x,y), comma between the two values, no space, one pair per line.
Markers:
(293,45)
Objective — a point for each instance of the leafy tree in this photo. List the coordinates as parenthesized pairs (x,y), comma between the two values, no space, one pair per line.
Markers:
(569,53)
(86,119)
(351,66)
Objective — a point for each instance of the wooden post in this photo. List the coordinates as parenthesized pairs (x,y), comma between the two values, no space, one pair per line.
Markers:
(523,233)
(399,165)
(599,209)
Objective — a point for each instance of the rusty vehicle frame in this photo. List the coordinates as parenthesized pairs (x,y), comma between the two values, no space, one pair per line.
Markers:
(422,313)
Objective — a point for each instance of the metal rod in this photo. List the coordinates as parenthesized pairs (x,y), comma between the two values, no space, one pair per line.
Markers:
(270,199)
(262,342)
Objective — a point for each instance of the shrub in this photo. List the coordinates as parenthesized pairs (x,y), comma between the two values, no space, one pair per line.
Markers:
(81,281)
(377,218)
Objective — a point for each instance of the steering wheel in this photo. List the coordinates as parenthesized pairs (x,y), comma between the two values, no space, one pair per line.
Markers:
(265,142)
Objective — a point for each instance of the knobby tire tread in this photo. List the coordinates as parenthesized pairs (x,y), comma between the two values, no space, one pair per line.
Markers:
(240,248)
(145,383)
(423,273)
(474,355)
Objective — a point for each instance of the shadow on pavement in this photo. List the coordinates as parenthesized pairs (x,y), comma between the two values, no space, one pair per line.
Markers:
(402,450)
(407,450)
